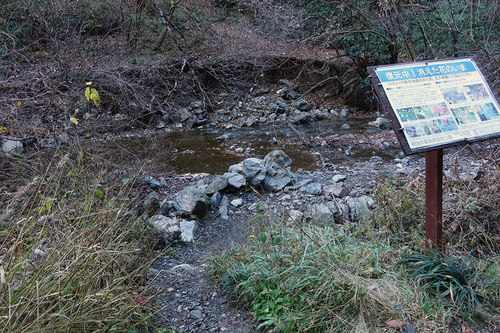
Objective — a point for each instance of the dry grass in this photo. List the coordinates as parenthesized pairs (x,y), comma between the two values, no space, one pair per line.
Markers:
(471,212)
(71,258)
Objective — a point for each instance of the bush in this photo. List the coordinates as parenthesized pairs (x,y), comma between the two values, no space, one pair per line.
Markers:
(37,25)
(382,32)
(315,279)
(398,214)
(471,208)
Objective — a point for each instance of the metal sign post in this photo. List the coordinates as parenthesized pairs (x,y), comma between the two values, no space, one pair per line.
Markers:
(434,197)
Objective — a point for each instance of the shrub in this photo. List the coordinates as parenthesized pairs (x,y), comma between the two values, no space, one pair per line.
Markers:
(398,214)
(471,207)
(314,279)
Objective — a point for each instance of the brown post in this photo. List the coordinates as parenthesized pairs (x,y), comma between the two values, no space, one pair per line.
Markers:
(434,197)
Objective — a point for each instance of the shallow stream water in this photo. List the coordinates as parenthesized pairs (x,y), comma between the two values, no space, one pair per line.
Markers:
(204,151)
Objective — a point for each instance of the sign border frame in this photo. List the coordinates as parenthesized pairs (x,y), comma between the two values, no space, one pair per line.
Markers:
(393,119)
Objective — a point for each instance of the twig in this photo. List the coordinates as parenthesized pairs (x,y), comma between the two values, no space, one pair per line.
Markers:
(16,139)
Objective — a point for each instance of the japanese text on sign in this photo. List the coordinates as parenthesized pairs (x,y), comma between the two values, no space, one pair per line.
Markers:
(423,71)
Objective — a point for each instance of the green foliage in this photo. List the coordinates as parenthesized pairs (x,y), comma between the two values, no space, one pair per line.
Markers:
(229,5)
(102,18)
(456,281)
(311,279)
(374,33)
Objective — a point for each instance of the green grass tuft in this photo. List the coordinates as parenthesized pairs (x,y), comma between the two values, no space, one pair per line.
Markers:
(315,279)
(455,280)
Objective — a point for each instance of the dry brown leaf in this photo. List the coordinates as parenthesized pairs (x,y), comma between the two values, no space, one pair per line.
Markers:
(368,271)
(466,329)
(377,293)
(396,324)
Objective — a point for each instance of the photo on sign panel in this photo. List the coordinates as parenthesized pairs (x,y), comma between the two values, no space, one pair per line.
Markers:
(406,114)
(447,124)
(463,115)
(488,112)
(477,92)
(440,110)
(423,112)
(454,96)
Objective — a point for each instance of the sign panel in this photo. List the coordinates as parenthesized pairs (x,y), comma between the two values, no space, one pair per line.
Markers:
(436,104)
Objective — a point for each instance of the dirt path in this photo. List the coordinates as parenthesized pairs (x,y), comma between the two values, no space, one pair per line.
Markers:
(186,299)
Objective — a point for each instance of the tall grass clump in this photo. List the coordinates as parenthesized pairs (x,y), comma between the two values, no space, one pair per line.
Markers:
(398,215)
(316,279)
(471,206)
(457,281)
(70,257)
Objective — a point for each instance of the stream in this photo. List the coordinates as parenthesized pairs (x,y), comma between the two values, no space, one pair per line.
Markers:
(212,151)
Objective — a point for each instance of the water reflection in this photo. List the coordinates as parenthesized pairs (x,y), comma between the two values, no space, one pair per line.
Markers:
(204,151)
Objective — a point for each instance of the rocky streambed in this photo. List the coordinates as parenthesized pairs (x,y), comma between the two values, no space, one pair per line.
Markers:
(274,155)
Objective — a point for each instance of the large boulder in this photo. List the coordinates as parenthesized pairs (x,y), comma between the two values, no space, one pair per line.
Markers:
(170,226)
(302,105)
(381,122)
(338,190)
(360,206)
(191,201)
(235,180)
(278,174)
(188,228)
(252,170)
(328,212)
(181,115)
(273,173)
(323,214)
(314,188)
(217,184)
(153,183)
(215,200)
(151,203)
(302,118)
(164,224)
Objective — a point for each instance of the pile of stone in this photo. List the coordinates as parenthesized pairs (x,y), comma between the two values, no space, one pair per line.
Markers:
(271,175)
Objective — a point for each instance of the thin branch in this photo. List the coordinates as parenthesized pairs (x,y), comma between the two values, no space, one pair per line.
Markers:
(168,24)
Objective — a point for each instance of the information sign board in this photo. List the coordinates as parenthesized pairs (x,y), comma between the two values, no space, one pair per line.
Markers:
(436,104)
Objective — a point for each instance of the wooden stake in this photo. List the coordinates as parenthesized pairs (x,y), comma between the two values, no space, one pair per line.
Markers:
(434,197)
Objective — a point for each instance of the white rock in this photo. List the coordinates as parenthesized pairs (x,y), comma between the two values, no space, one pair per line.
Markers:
(12,146)
(188,228)
(237,202)
(185,267)
(338,178)
(164,224)
(295,216)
